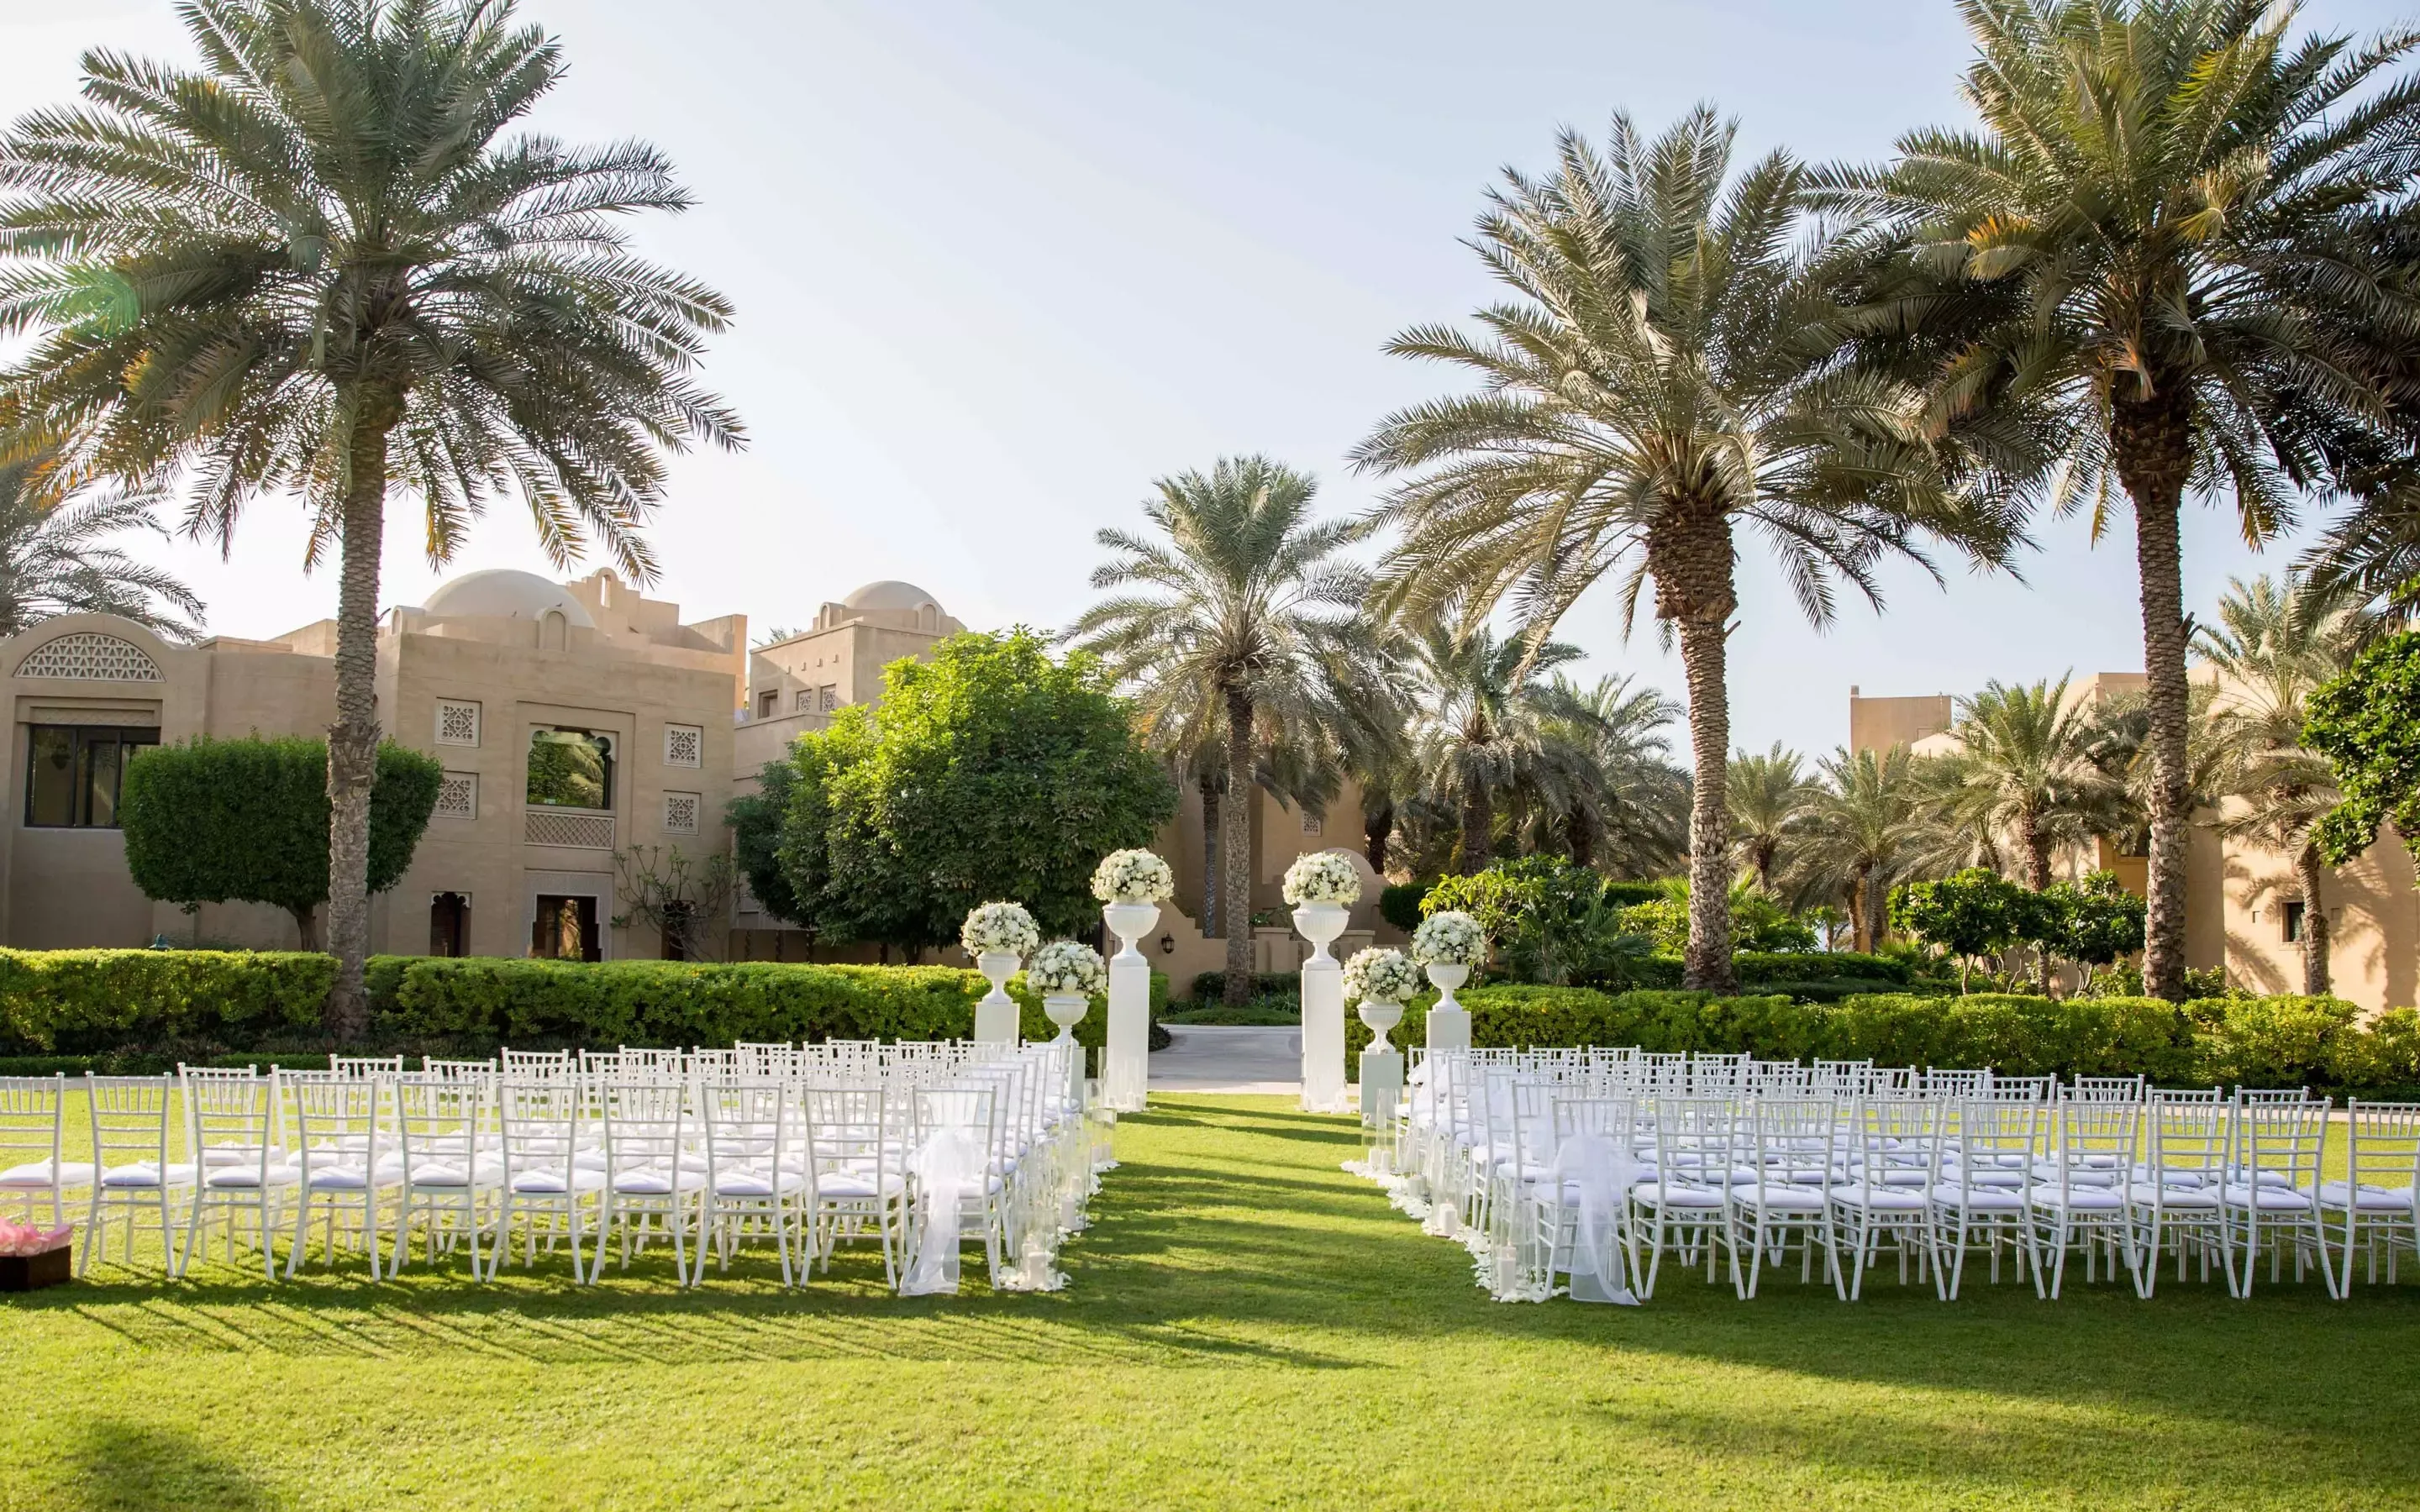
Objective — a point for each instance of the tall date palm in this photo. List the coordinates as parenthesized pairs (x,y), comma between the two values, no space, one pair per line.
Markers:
(323,264)
(1238,617)
(1660,379)
(2155,269)
(54,559)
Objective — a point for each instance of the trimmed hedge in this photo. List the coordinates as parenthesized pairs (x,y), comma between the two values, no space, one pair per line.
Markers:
(2259,1041)
(1785,970)
(92,1002)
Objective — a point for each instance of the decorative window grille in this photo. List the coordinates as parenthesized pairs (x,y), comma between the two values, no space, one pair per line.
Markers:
(684,745)
(458,795)
(457,723)
(576,831)
(806,699)
(1310,825)
(680,813)
(93,657)
(828,697)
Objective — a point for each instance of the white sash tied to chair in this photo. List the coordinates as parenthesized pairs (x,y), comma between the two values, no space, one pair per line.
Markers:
(1602,1169)
(948,1168)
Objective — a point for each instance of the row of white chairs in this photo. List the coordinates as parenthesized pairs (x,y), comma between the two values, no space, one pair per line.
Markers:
(1608,1161)
(911,1147)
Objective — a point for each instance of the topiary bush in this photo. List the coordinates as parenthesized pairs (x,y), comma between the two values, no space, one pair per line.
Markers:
(1399,905)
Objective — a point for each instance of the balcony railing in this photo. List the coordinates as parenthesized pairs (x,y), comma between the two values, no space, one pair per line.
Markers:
(571,830)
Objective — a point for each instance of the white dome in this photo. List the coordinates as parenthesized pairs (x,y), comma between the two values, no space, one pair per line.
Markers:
(890,595)
(503,594)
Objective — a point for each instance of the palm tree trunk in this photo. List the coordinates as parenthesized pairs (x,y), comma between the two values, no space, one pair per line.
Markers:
(352,740)
(1211,839)
(1877,897)
(1861,934)
(1235,847)
(2033,852)
(2150,439)
(2315,923)
(1478,829)
(1706,966)
(1580,837)
(1377,828)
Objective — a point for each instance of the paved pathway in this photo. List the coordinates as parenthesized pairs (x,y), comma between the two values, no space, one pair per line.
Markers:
(1217,1058)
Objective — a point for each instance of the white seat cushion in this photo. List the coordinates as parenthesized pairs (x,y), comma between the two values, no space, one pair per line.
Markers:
(1777,1197)
(353,1178)
(550,1182)
(842,1185)
(35,1176)
(144,1174)
(2172,1196)
(2270,1199)
(449,1173)
(2080,1199)
(1884,1199)
(1677,1196)
(757,1183)
(654,1182)
(1980,1198)
(249,1177)
(2332,1195)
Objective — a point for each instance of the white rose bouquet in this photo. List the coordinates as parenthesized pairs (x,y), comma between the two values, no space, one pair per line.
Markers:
(1065,969)
(1380,976)
(1451,938)
(1322,878)
(1133,877)
(998,929)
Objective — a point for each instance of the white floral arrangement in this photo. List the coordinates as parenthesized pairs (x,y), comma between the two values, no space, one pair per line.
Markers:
(1384,975)
(998,929)
(1067,968)
(1451,938)
(1322,878)
(1133,877)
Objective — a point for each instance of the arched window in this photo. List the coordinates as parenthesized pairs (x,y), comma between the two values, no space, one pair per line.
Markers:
(554,631)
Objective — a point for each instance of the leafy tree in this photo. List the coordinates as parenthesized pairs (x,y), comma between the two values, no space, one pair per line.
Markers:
(2025,769)
(1770,796)
(246,821)
(2366,722)
(685,899)
(320,266)
(990,772)
(1758,922)
(1549,921)
(1970,913)
(2098,923)
(1659,382)
(2156,267)
(52,562)
(2273,646)
(1859,833)
(1244,625)
(755,820)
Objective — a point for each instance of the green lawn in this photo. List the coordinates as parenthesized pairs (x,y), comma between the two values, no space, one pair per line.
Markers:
(1247,1327)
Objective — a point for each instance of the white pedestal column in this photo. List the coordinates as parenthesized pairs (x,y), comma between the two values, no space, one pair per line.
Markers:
(1323,1009)
(1126,1062)
(1382,1076)
(1448,1022)
(996,1015)
(1067,1013)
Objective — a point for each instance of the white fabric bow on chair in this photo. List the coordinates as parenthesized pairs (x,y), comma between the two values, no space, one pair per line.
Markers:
(1602,1169)
(948,1169)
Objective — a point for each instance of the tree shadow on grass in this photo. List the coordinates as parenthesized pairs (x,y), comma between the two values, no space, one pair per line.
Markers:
(123,1465)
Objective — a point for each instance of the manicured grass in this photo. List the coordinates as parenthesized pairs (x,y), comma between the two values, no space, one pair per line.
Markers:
(1247,1327)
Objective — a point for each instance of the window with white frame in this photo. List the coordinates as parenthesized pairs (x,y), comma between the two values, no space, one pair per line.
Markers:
(680,813)
(458,795)
(684,745)
(457,722)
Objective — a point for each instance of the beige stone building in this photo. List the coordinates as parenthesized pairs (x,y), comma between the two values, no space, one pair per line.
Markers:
(2240,898)
(573,720)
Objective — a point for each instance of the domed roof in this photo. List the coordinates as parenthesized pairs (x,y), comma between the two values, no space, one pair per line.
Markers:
(502,592)
(889,594)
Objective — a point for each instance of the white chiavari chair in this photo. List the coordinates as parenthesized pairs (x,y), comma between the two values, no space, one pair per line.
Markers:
(2273,1187)
(1885,1194)
(2174,1195)
(857,1184)
(2104,1089)
(131,1116)
(232,1125)
(357,1066)
(1988,1152)
(2378,1204)
(651,1181)
(451,1165)
(1685,1207)
(1789,1146)
(2079,1194)
(547,1188)
(748,1188)
(345,1163)
(33,1117)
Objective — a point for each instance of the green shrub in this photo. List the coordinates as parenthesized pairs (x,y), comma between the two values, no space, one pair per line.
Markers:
(1755,967)
(1399,905)
(1209,986)
(2285,1041)
(88,1000)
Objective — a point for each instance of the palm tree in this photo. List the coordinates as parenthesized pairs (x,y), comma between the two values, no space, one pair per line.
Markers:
(2272,646)
(1486,727)
(1861,818)
(317,266)
(2025,770)
(1769,799)
(1659,382)
(1241,622)
(52,562)
(1621,807)
(2152,269)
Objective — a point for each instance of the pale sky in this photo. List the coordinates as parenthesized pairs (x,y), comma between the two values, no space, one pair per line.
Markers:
(999,266)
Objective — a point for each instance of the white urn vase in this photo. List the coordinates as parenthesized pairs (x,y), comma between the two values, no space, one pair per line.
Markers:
(1381,1077)
(996,1015)
(1323,1007)
(1126,1059)
(1380,1017)
(1448,1022)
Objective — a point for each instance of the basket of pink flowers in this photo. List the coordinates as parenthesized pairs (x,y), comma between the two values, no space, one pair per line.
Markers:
(32,1257)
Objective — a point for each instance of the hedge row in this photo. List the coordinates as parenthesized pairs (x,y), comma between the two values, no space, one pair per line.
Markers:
(1823,975)
(90,1002)
(2259,1041)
